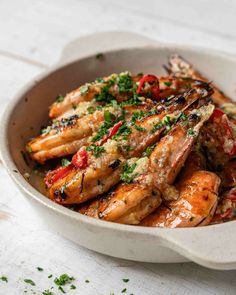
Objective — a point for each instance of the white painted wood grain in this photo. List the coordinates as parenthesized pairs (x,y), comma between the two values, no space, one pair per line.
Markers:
(39,29)
(32,34)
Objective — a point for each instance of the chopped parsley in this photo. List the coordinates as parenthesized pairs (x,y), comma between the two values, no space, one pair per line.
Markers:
(124,290)
(149,150)
(60,98)
(50,276)
(105,95)
(99,80)
(73,287)
(125,83)
(45,130)
(65,162)
(39,268)
(127,176)
(114,104)
(191,132)
(87,281)
(63,280)
(137,116)
(84,89)
(4,279)
(109,117)
(124,130)
(109,121)
(139,128)
(61,289)
(47,292)
(29,281)
(125,280)
(156,127)
(96,150)
(91,110)
(132,101)
(168,83)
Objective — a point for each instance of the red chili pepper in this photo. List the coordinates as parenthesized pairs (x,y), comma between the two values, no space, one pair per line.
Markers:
(80,159)
(216,114)
(153,88)
(111,133)
(53,176)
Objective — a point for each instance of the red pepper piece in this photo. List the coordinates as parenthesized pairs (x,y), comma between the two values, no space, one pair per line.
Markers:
(111,133)
(216,114)
(80,159)
(55,175)
(153,88)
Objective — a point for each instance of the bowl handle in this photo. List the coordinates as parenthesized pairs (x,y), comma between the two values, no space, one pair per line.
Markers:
(212,246)
(100,42)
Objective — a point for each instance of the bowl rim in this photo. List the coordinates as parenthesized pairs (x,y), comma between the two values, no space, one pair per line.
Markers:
(29,190)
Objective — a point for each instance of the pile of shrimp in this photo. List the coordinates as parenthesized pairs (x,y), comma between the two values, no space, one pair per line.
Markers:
(143,150)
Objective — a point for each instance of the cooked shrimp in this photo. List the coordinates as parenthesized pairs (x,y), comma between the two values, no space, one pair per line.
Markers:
(66,136)
(114,150)
(196,203)
(130,203)
(182,136)
(115,86)
(178,67)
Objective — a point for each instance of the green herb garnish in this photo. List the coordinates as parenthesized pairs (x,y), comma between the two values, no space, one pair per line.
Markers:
(4,279)
(109,121)
(73,287)
(124,130)
(47,292)
(46,130)
(167,83)
(127,172)
(91,110)
(156,127)
(61,289)
(191,132)
(65,162)
(125,83)
(87,281)
(29,281)
(149,150)
(105,95)
(39,268)
(124,290)
(84,89)
(109,117)
(139,128)
(63,280)
(125,280)
(60,98)
(96,150)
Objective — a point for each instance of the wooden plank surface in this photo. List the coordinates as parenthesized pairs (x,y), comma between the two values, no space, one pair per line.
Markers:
(33,34)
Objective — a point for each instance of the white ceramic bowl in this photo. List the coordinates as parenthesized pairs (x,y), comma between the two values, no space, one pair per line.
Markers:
(211,246)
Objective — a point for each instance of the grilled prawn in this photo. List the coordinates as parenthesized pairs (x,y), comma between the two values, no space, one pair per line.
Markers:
(96,177)
(197,200)
(130,203)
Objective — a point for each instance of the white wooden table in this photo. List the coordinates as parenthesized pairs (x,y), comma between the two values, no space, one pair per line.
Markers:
(32,34)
